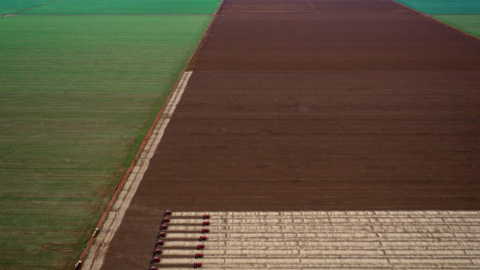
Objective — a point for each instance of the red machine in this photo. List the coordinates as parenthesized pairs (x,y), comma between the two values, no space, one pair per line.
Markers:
(202,238)
(200,247)
(167,213)
(162,234)
(206,223)
(205,230)
(164,227)
(197,265)
(158,251)
(153,268)
(206,216)
(165,220)
(198,255)
(160,243)
(156,259)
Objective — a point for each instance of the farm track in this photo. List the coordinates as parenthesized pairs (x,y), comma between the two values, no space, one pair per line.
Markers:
(316,105)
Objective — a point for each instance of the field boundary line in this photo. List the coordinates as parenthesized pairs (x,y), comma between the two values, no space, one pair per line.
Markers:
(100,248)
(432,17)
(191,61)
(29,8)
(117,212)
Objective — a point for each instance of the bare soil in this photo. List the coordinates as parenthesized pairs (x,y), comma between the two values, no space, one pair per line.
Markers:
(316,105)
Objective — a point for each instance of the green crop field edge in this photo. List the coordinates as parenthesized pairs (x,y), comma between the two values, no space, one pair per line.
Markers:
(444,7)
(461,14)
(78,96)
(467,23)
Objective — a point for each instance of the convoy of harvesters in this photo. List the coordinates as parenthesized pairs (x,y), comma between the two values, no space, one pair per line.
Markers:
(162,239)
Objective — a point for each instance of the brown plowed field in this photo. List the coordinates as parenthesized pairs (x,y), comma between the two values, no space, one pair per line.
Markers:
(316,105)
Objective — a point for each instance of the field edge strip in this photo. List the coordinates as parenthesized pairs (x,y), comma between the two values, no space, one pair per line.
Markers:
(120,186)
(130,186)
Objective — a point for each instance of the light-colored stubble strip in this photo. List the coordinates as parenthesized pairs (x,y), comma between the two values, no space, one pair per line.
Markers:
(341,240)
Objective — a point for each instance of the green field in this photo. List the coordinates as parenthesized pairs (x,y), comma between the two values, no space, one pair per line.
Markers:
(77,95)
(461,14)
(137,7)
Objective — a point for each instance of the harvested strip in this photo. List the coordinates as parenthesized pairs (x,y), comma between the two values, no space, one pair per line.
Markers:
(256,240)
